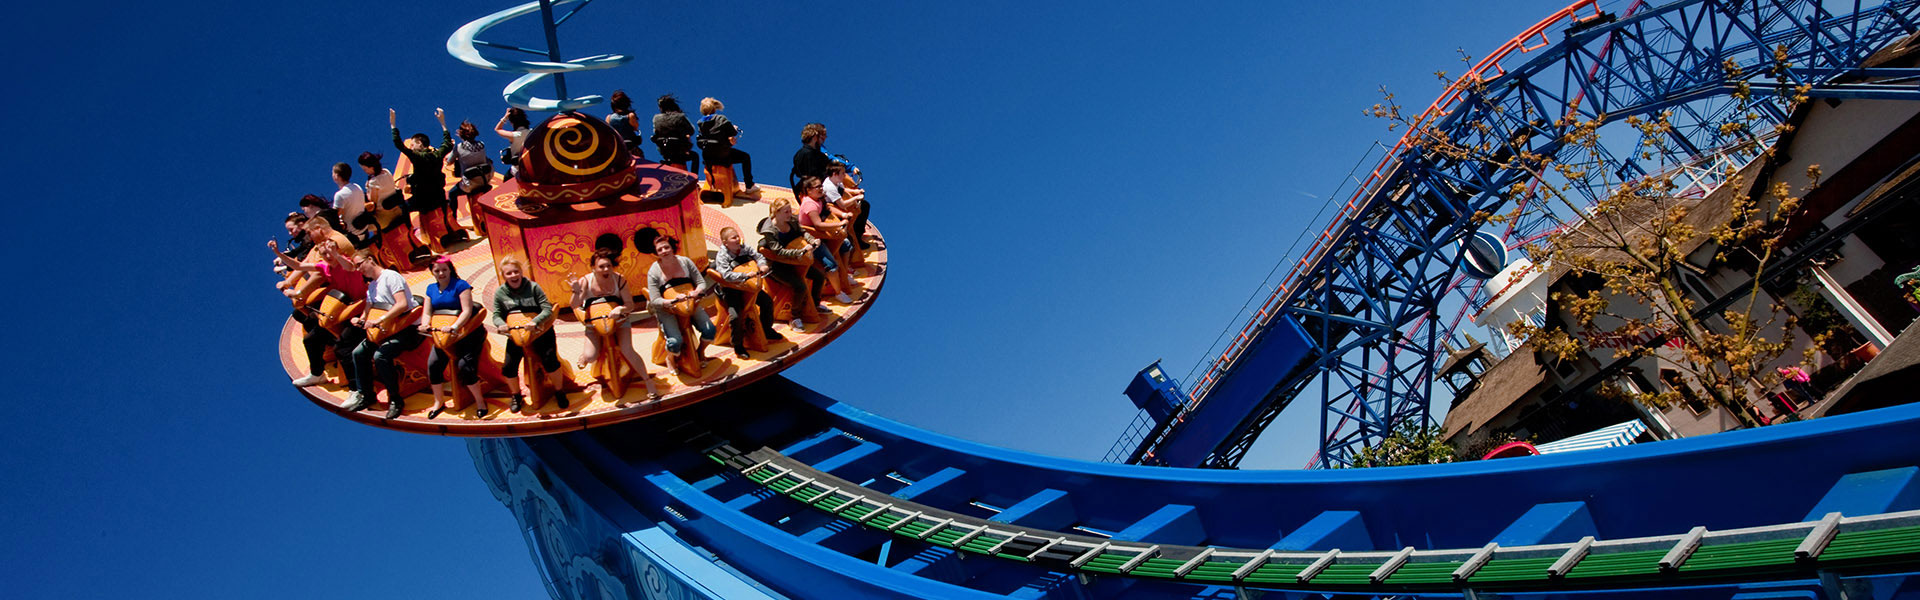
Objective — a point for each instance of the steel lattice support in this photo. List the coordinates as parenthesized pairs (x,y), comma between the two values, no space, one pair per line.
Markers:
(1373,294)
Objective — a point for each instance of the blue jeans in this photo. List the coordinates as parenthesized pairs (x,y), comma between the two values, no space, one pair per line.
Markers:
(825,259)
(670,328)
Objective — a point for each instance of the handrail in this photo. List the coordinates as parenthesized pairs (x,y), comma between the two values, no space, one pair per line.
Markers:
(1522,43)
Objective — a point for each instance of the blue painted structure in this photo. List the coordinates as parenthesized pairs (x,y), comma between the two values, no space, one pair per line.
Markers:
(1374,296)
(636,511)
(587,496)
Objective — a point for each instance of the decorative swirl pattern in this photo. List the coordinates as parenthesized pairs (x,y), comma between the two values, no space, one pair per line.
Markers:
(571,148)
(462,46)
(570,143)
(563,253)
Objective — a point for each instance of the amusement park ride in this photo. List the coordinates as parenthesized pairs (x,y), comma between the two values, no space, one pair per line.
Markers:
(739,483)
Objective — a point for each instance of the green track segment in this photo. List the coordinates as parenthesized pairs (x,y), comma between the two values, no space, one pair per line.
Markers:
(1423,574)
(859,509)
(914,529)
(1214,571)
(1645,563)
(1867,545)
(1890,547)
(981,544)
(1345,575)
(1743,555)
(810,494)
(1106,562)
(1513,569)
(1275,573)
(946,537)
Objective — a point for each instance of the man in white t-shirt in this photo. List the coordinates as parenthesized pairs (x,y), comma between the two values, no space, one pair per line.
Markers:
(351,202)
(386,290)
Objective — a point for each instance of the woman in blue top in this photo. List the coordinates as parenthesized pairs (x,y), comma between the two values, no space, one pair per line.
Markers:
(449,292)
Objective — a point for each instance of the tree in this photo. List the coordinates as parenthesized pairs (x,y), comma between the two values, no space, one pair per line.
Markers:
(1412,444)
(1628,248)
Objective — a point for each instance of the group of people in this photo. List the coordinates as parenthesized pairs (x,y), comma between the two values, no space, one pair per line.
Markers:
(380,212)
(379,301)
(344,243)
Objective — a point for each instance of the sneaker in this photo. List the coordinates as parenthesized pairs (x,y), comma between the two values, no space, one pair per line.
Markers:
(798,325)
(310,380)
(774,336)
(394,407)
(843,299)
(822,307)
(358,402)
(752,189)
(517,400)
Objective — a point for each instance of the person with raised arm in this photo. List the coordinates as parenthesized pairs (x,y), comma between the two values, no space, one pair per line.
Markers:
(716,137)
(671,270)
(519,294)
(673,135)
(426,184)
(388,295)
(603,284)
(738,264)
(470,162)
(791,253)
(448,292)
(340,273)
(514,126)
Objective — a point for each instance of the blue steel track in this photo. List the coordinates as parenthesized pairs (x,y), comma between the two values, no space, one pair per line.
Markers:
(619,506)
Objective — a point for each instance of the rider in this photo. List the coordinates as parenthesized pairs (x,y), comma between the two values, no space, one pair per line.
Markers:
(734,254)
(518,293)
(449,292)
(671,269)
(604,283)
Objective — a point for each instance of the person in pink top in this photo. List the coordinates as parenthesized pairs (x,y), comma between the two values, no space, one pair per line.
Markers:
(828,226)
(340,272)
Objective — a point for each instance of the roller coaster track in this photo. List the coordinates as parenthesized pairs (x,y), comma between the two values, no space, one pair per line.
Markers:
(776,491)
(1366,301)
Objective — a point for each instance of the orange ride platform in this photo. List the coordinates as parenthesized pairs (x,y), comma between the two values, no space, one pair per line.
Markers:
(591,405)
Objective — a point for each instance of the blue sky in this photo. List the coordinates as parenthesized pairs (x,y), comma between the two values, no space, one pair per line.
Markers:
(1070,192)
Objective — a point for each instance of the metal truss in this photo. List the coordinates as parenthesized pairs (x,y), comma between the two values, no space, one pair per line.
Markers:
(1372,294)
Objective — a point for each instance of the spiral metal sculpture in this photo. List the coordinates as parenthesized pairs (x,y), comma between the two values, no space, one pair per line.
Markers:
(463,46)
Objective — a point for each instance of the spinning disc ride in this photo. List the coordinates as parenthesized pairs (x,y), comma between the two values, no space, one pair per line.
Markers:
(743,484)
(579,191)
